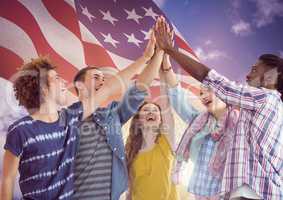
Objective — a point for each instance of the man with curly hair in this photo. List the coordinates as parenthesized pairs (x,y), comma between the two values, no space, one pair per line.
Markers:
(42,145)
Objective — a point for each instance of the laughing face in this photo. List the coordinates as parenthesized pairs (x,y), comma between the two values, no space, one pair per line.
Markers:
(57,88)
(94,80)
(150,116)
(210,101)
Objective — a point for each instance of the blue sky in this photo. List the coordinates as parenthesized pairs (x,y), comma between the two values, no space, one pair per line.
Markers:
(229,35)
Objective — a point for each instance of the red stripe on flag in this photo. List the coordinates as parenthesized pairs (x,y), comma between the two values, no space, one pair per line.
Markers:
(97,56)
(65,14)
(17,13)
(193,89)
(9,63)
(183,44)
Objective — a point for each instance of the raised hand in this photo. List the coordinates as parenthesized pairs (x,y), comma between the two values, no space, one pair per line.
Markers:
(149,50)
(164,36)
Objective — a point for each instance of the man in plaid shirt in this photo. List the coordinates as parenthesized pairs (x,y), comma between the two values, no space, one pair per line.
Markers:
(254,165)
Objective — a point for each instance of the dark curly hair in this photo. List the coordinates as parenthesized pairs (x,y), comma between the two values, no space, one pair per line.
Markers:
(30,79)
(274,61)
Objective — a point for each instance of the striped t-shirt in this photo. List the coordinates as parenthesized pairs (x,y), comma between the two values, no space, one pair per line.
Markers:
(93,163)
(46,152)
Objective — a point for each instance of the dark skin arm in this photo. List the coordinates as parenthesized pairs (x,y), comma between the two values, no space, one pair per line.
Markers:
(164,40)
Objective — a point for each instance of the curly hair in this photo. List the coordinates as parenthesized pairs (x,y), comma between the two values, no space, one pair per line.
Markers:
(274,61)
(30,78)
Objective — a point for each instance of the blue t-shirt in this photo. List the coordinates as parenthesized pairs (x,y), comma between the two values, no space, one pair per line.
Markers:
(46,152)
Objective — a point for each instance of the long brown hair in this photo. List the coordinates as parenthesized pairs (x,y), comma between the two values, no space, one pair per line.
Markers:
(135,138)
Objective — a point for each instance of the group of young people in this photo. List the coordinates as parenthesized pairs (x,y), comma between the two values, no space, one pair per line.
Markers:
(77,152)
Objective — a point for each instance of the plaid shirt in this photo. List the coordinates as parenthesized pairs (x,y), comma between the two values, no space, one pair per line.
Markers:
(256,154)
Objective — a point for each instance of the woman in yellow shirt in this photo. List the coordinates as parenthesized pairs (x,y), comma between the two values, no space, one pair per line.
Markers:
(149,150)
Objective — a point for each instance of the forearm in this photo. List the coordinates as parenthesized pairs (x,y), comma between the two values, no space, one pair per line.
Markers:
(170,78)
(235,94)
(181,100)
(7,188)
(133,69)
(196,69)
(167,115)
(10,167)
(114,85)
(150,72)
(168,73)
(120,82)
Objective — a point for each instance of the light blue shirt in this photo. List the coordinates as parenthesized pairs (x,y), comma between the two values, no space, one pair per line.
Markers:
(179,99)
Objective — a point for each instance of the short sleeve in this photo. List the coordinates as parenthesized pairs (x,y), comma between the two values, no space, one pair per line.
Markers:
(14,142)
(164,145)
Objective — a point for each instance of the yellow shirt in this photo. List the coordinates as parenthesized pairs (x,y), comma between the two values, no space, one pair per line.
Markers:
(151,173)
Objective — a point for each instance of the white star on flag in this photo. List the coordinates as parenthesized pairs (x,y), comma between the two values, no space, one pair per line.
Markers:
(108,39)
(107,16)
(146,34)
(133,39)
(87,13)
(133,15)
(149,12)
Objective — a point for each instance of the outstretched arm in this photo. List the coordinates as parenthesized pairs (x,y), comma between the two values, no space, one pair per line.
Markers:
(163,39)
(167,115)
(150,72)
(228,91)
(120,81)
(125,75)
(135,95)
(180,98)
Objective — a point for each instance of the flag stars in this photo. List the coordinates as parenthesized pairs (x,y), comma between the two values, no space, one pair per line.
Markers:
(150,13)
(109,39)
(133,39)
(87,13)
(133,15)
(146,34)
(108,17)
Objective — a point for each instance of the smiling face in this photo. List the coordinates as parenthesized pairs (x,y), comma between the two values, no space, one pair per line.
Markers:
(210,101)
(256,75)
(150,116)
(94,80)
(56,88)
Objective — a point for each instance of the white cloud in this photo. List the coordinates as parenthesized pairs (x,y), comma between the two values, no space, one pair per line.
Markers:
(160,3)
(241,28)
(281,54)
(267,11)
(208,42)
(208,55)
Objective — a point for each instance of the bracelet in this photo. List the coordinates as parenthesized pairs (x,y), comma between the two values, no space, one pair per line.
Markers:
(167,70)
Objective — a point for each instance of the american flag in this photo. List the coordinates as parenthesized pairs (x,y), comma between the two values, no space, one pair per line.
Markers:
(77,33)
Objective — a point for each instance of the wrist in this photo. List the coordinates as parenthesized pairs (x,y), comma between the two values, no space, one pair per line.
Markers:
(169,50)
(145,58)
(160,51)
(166,69)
